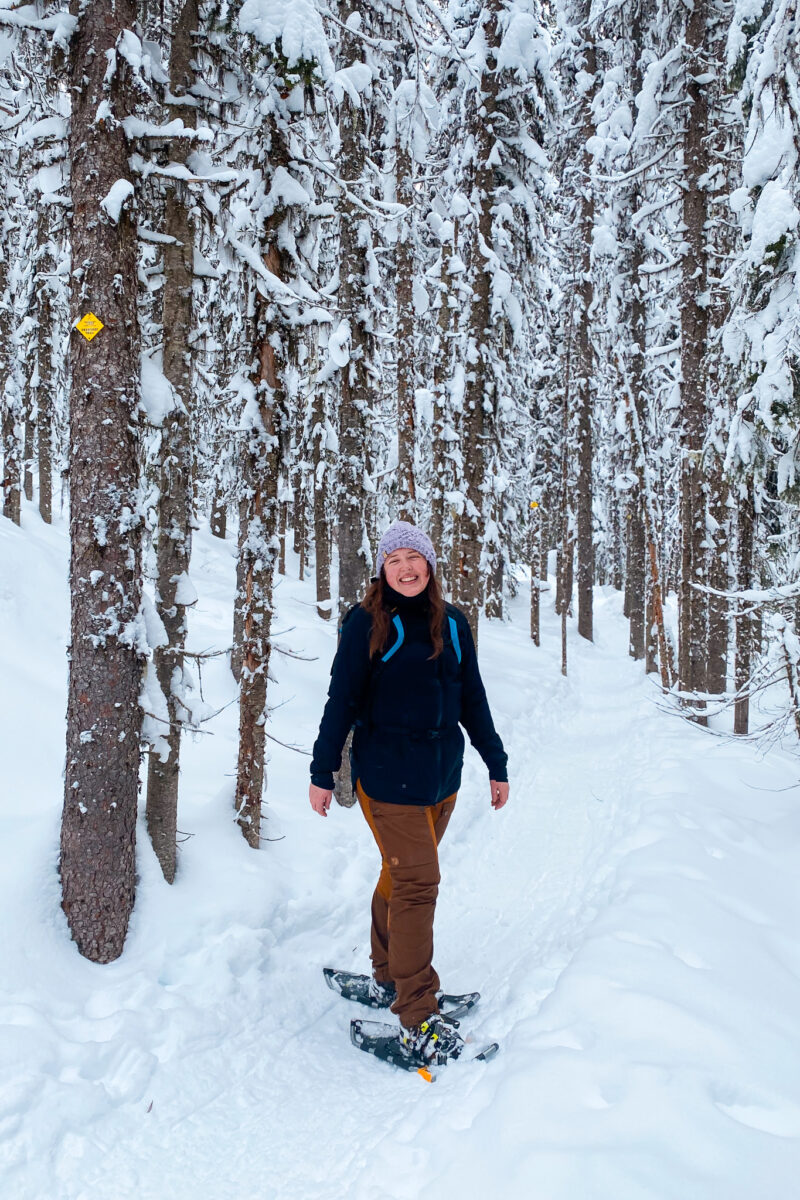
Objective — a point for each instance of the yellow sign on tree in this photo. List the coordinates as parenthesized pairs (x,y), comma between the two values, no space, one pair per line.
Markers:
(89,326)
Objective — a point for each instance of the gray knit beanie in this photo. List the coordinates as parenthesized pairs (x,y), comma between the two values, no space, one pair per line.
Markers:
(404,534)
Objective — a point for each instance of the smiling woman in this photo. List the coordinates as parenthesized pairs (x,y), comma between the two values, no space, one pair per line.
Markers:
(406,677)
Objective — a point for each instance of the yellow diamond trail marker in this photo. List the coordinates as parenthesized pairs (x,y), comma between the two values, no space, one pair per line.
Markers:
(89,326)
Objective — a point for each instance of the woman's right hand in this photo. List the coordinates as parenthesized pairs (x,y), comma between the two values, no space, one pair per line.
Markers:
(320,799)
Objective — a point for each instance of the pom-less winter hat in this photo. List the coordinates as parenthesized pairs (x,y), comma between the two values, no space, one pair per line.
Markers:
(404,534)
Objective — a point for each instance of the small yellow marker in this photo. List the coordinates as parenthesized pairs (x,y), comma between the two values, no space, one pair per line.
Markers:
(89,326)
(534,503)
(425,1073)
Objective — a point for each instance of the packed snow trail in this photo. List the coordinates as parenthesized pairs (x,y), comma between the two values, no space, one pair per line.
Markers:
(631,919)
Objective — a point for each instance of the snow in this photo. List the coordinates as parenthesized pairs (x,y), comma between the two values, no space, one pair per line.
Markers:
(25,16)
(117,195)
(420,297)
(297,24)
(775,215)
(352,81)
(48,129)
(185,591)
(135,127)
(631,918)
(157,396)
(770,147)
(285,191)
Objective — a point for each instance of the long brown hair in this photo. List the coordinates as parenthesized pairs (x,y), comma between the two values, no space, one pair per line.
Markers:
(377,604)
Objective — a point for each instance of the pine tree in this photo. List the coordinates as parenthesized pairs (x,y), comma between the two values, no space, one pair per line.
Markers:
(174,591)
(103,716)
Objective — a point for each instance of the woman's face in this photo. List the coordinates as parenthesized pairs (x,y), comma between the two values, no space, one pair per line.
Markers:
(407,571)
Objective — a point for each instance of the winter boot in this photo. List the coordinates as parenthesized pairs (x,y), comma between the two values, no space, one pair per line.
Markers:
(433,1040)
(381,995)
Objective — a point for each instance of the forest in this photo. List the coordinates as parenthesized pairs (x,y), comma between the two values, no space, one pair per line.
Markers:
(273,274)
(525,272)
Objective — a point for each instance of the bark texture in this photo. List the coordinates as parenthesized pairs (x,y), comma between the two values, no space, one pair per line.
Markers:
(8,404)
(479,391)
(103,717)
(744,618)
(175,497)
(355,393)
(406,350)
(322,536)
(692,604)
(718,578)
(636,576)
(258,554)
(585,371)
(355,556)
(45,390)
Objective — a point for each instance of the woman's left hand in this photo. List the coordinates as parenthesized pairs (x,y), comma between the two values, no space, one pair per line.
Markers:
(499,794)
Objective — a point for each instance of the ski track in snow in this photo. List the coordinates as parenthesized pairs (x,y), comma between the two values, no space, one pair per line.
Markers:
(630,918)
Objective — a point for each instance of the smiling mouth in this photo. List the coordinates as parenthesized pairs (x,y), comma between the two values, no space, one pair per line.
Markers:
(410,579)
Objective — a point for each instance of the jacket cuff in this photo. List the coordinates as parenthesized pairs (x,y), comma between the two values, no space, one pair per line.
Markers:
(499,772)
(323,779)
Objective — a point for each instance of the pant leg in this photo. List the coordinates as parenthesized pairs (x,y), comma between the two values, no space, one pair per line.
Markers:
(379,933)
(404,902)
(407,835)
(441,814)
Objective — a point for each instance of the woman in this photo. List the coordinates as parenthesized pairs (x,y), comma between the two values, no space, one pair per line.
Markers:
(405,675)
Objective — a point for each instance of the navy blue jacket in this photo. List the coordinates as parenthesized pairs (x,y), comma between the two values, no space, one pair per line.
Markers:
(407,745)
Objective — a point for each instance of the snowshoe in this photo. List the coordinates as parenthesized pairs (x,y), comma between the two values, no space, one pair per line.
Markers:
(386,1043)
(364,989)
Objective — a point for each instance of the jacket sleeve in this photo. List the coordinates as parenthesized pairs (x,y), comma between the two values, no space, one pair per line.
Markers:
(346,697)
(475,715)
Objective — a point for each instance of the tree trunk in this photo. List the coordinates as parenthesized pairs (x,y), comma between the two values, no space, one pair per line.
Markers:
(175,489)
(584,491)
(219,516)
(322,539)
(692,603)
(636,580)
(103,716)
(566,592)
(406,348)
(27,457)
(237,647)
(12,496)
(355,393)
(637,590)
(495,573)
(258,553)
(479,391)
(719,579)
(45,397)
(283,524)
(8,400)
(535,535)
(744,620)
(442,480)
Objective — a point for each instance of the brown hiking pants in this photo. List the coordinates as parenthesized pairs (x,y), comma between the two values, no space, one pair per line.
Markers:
(404,902)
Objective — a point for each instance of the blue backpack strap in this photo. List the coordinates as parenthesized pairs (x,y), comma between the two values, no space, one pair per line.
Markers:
(401,633)
(454,638)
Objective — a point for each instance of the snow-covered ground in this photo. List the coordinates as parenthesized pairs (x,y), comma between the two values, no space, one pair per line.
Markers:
(632,919)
